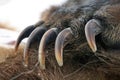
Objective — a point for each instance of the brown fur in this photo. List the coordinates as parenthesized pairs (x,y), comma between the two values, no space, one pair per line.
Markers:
(73,69)
(80,63)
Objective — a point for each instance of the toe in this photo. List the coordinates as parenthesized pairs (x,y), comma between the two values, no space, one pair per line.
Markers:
(62,39)
(47,38)
(92,29)
(34,37)
(25,33)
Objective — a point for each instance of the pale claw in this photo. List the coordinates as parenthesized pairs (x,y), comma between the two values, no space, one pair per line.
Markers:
(92,28)
(25,33)
(47,38)
(63,37)
(35,36)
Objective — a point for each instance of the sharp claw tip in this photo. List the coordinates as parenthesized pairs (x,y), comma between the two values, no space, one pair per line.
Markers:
(59,60)
(60,64)
(42,67)
(25,64)
(94,49)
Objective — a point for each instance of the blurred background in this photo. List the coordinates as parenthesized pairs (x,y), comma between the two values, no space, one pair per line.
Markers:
(19,14)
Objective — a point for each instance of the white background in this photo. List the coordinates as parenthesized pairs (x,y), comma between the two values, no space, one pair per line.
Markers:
(21,13)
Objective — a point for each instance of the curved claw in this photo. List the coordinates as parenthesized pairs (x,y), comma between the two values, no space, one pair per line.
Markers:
(63,37)
(92,28)
(25,33)
(47,38)
(35,36)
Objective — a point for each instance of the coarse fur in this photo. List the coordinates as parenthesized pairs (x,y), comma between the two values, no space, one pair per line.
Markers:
(80,63)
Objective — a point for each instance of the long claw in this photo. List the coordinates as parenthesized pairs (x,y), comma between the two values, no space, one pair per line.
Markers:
(47,38)
(35,36)
(63,37)
(92,28)
(25,33)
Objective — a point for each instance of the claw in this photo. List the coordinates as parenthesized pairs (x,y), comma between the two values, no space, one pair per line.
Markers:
(92,28)
(47,38)
(25,33)
(35,36)
(63,37)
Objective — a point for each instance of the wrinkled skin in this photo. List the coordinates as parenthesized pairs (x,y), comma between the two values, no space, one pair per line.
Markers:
(89,26)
